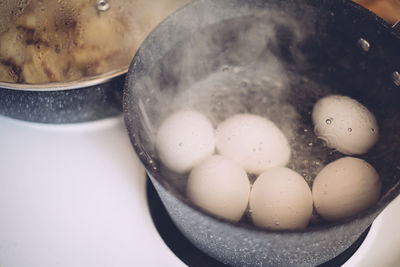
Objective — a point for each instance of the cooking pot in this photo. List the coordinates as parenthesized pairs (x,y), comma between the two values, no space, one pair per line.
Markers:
(65,61)
(271,58)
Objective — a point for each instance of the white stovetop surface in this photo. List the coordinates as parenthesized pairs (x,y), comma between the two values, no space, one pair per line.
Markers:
(74,195)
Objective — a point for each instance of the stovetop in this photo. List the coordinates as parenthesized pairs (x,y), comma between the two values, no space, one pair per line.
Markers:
(75,195)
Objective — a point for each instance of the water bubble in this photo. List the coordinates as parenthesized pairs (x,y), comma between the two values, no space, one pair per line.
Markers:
(350,130)
(236,69)
(225,68)
(329,121)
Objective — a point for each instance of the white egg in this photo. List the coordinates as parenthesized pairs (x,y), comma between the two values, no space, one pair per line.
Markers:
(281,199)
(253,142)
(345,125)
(184,139)
(220,186)
(344,188)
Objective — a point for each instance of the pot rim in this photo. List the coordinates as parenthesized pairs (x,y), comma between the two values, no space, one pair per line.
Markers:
(70,85)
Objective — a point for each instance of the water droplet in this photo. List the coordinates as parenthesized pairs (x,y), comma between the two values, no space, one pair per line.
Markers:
(305,130)
(102,5)
(350,130)
(310,144)
(328,121)
(277,223)
(151,161)
(372,130)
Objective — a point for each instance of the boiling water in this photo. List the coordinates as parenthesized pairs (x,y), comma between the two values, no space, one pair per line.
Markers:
(248,66)
(263,90)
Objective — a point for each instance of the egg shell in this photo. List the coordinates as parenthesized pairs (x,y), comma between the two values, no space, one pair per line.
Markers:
(280,199)
(344,188)
(219,186)
(345,124)
(253,142)
(184,139)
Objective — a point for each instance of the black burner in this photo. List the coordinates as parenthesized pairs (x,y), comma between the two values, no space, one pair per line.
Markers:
(192,256)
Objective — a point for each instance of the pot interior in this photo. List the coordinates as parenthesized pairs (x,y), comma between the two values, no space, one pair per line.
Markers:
(275,60)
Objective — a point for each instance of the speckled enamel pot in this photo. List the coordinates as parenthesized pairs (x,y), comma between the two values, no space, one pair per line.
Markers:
(86,100)
(336,55)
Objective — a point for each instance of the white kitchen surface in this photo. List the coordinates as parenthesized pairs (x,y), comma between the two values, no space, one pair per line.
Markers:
(74,196)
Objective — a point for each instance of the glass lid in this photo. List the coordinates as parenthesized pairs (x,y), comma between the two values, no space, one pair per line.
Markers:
(47,41)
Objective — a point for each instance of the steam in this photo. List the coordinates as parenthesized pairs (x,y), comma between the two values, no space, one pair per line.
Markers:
(243,65)
(222,70)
